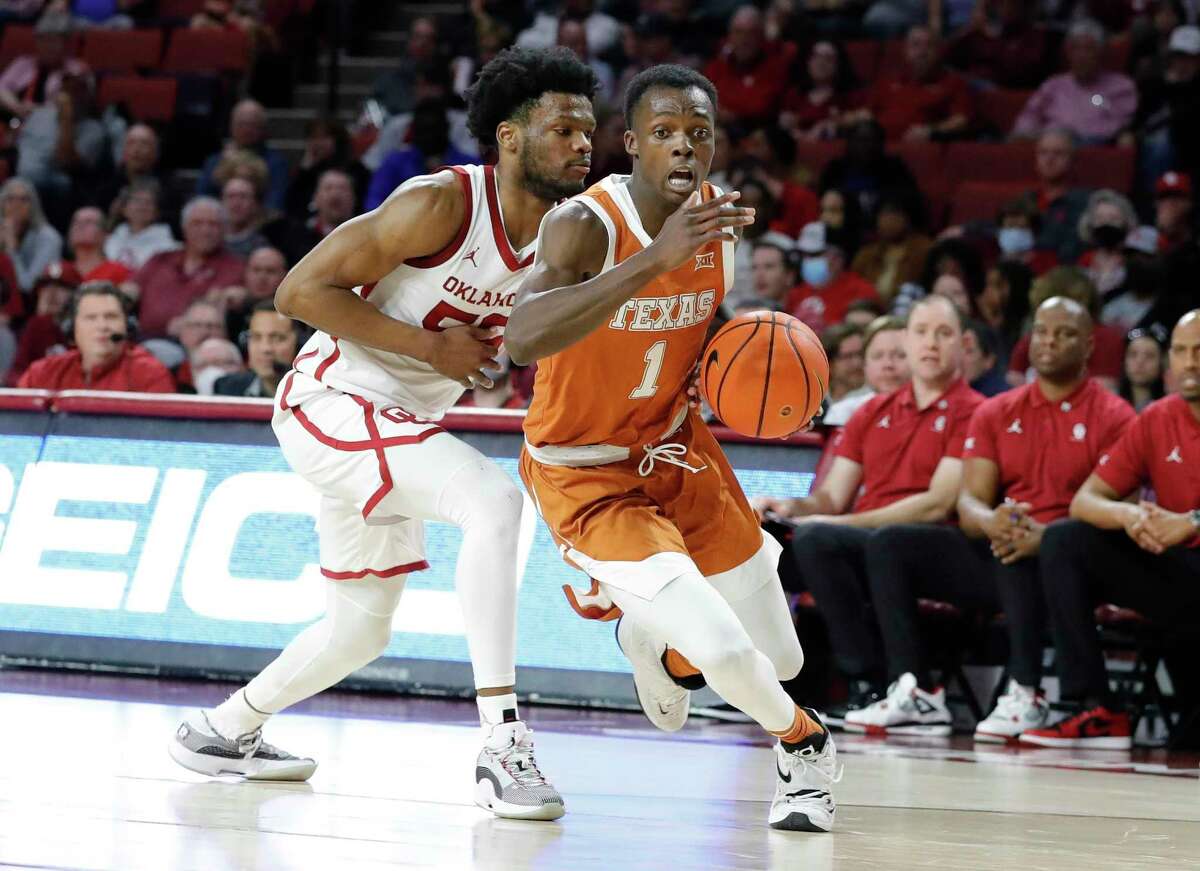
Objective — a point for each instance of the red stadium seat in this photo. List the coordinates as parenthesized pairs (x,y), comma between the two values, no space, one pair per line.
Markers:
(864,58)
(892,62)
(980,200)
(17,40)
(1105,167)
(207,51)
(991,162)
(122,50)
(814,155)
(997,109)
(146,99)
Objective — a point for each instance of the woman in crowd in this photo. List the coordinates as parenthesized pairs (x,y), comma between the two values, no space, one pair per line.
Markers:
(140,235)
(29,241)
(826,88)
(1105,223)
(1145,365)
(898,254)
(1003,304)
(842,214)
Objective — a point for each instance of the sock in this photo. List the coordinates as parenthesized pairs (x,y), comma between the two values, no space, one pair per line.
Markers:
(803,728)
(680,670)
(235,716)
(494,710)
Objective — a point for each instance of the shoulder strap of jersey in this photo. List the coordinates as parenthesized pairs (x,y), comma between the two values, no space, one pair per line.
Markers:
(451,248)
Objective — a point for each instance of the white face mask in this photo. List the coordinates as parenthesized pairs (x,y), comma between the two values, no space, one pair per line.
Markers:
(206,379)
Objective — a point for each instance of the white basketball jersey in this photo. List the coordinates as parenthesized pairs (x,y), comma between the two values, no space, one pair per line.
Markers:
(473,280)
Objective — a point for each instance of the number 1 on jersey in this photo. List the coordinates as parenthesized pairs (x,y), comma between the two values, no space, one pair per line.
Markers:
(654,360)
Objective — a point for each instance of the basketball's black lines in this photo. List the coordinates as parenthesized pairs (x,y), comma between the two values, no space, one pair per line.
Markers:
(817,375)
(729,365)
(762,408)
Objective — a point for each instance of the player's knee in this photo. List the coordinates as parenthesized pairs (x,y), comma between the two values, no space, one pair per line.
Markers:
(733,658)
(365,640)
(787,661)
(491,501)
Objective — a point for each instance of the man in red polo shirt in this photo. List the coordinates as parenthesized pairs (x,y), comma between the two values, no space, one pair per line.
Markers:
(904,449)
(104,358)
(828,286)
(750,72)
(926,101)
(1141,555)
(1026,453)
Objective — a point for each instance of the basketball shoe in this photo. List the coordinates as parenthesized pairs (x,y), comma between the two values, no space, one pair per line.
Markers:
(905,710)
(861,693)
(507,780)
(199,747)
(664,701)
(805,775)
(1020,708)
(1095,729)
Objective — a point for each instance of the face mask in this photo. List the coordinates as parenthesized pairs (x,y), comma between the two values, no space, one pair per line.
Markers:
(1108,236)
(205,380)
(1015,240)
(815,271)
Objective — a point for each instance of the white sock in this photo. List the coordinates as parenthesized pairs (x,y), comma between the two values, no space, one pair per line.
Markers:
(494,710)
(235,717)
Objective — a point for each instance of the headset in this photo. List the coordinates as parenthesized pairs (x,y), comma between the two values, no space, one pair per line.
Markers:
(100,288)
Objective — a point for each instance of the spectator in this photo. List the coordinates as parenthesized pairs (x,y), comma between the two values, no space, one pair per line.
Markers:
(1002,45)
(841,214)
(885,370)
(271,345)
(111,14)
(982,366)
(1140,555)
(608,149)
(825,90)
(925,101)
(768,156)
(212,360)
(1018,228)
(755,196)
(959,258)
(1142,379)
(326,146)
(429,149)
(1108,219)
(774,272)
(86,238)
(105,357)
(894,463)
(603,31)
(502,394)
(202,320)
(1025,454)
(265,269)
(827,287)
(648,43)
(1150,38)
(396,89)
(1059,204)
(750,72)
(33,80)
(12,306)
(1002,305)
(248,131)
(1173,211)
(862,312)
(246,217)
(139,161)
(43,331)
(171,280)
(571,35)
(1108,344)
(1141,298)
(1094,105)
(866,171)
(952,287)
(844,347)
(29,241)
(140,235)
(1168,115)
(334,206)
(898,255)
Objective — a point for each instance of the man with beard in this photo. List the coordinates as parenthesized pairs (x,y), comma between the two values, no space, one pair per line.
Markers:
(1142,555)
(1026,453)
(409,303)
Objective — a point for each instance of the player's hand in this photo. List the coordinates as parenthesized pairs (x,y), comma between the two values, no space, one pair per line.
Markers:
(1167,527)
(1137,528)
(1009,520)
(695,224)
(461,353)
(766,505)
(1026,543)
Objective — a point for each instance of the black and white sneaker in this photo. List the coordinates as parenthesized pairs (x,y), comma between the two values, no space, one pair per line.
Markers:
(805,776)
(905,710)
(507,780)
(198,747)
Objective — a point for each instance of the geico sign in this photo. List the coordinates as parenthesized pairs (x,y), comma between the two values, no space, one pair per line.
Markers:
(207,586)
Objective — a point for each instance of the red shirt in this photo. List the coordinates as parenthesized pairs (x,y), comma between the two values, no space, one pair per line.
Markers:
(166,291)
(796,207)
(1045,450)
(1161,447)
(821,307)
(135,371)
(1107,360)
(753,91)
(110,270)
(902,102)
(899,446)
(11,303)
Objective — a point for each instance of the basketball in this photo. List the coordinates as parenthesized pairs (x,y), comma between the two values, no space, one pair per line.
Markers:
(764,374)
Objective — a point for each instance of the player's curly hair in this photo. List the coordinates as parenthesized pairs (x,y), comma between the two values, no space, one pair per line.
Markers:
(512,81)
(665,76)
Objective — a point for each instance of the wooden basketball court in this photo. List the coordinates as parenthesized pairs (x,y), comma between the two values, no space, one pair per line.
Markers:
(86,783)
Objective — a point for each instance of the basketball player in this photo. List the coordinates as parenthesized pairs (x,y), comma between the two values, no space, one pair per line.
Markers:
(409,301)
(625,473)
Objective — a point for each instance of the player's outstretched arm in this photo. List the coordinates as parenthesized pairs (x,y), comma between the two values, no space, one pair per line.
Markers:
(566,296)
(421,218)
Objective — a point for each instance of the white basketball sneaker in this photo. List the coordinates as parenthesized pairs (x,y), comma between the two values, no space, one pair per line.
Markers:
(803,786)
(665,702)
(1020,708)
(906,710)
(507,780)
(198,747)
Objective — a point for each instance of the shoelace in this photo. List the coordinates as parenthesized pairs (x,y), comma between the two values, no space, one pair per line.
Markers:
(666,453)
(517,759)
(250,743)
(830,778)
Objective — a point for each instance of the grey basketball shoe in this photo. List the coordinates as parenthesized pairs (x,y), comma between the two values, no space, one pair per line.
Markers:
(198,747)
(507,780)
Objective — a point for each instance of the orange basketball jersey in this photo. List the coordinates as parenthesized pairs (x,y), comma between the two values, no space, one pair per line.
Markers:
(625,384)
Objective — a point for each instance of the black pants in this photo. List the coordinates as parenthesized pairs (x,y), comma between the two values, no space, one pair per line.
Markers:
(911,561)
(1084,565)
(830,562)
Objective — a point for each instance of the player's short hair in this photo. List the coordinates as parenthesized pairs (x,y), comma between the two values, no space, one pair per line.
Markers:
(514,80)
(665,76)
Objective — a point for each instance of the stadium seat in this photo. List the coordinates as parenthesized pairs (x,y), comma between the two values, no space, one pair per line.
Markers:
(146,99)
(207,51)
(891,59)
(997,109)
(122,50)
(1105,167)
(991,162)
(814,155)
(981,200)
(17,40)
(864,58)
